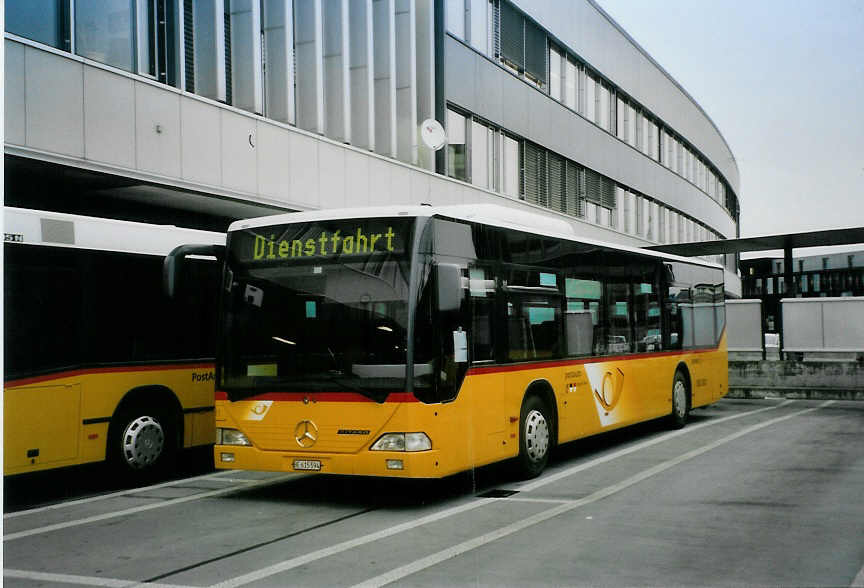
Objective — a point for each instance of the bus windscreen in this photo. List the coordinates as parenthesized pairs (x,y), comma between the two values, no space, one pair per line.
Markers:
(317,307)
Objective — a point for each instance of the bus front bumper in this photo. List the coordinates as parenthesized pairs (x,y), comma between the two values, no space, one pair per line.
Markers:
(408,464)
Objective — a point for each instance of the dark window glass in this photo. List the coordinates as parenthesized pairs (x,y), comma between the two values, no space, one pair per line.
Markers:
(105,32)
(512,35)
(40,20)
(319,306)
(533,326)
(535,52)
(70,307)
(522,247)
(481,287)
(42,309)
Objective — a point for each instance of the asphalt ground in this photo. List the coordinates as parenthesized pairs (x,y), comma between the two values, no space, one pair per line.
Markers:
(751,492)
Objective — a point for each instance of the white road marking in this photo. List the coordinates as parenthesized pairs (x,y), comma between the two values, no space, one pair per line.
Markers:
(545,480)
(214,477)
(478,502)
(858,582)
(456,550)
(81,580)
(137,509)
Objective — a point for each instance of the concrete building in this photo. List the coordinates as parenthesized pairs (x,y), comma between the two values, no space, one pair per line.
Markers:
(198,112)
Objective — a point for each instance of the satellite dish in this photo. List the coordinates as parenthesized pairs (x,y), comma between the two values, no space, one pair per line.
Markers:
(432,134)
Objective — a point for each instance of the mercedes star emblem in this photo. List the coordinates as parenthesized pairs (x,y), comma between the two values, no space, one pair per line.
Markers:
(306,434)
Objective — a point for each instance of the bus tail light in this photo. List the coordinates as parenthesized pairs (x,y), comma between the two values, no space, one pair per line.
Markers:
(402,442)
(231,437)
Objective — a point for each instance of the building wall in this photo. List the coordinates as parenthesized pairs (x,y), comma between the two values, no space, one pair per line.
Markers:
(595,37)
(333,119)
(480,86)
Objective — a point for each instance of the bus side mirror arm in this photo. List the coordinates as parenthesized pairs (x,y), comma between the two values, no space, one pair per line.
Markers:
(174,265)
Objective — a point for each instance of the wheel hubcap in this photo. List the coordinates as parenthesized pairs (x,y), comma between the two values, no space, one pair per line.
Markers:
(536,435)
(679,393)
(143,442)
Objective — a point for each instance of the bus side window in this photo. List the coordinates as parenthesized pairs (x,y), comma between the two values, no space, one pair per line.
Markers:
(679,310)
(582,322)
(533,327)
(481,285)
(619,303)
(647,317)
(43,309)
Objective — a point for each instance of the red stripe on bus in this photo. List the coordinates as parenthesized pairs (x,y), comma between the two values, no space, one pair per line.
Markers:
(106,370)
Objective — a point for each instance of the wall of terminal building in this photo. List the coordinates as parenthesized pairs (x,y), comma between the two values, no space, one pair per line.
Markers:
(333,123)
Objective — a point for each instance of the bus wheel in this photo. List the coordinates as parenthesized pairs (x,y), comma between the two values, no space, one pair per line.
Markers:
(680,405)
(141,444)
(534,437)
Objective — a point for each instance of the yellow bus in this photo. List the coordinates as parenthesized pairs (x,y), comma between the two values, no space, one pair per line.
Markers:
(421,341)
(98,363)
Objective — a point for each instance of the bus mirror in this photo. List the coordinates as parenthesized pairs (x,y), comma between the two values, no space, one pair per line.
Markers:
(173,266)
(448,278)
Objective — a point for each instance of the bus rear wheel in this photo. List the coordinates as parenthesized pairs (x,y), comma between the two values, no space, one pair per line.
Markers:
(141,444)
(680,402)
(535,436)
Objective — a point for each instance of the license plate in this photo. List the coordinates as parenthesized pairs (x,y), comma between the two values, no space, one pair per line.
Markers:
(313,465)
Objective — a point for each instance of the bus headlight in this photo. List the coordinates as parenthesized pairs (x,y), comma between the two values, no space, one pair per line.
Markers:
(402,442)
(231,437)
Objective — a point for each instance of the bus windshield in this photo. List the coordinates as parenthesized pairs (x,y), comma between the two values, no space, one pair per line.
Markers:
(317,307)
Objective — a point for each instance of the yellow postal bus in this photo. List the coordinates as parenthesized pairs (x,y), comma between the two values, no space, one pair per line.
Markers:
(421,341)
(98,362)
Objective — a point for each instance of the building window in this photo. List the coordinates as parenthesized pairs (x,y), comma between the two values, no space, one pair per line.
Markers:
(482,150)
(631,125)
(455,10)
(555,61)
(105,32)
(45,21)
(512,37)
(157,41)
(535,54)
(590,97)
(557,179)
(571,81)
(479,19)
(510,173)
(536,188)
(605,105)
(523,45)
(456,165)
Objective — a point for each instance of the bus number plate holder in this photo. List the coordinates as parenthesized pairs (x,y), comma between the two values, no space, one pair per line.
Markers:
(307,465)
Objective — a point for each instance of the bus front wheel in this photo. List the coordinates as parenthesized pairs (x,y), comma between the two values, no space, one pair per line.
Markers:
(535,436)
(680,403)
(141,443)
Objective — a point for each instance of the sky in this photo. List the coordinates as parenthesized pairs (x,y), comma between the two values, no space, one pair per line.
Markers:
(783,80)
